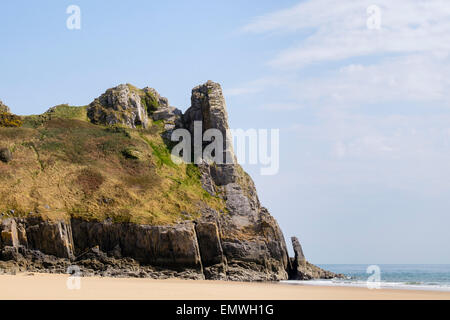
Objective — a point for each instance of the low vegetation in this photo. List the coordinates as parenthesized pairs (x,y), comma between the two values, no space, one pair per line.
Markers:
(62,165)
(10,120)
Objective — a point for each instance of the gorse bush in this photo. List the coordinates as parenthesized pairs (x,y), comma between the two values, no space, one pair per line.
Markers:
(10,120)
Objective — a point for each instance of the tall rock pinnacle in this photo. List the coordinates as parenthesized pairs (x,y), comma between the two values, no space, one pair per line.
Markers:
(208,106)
(250,237)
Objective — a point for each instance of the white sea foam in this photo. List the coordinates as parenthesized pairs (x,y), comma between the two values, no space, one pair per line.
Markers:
(363,284)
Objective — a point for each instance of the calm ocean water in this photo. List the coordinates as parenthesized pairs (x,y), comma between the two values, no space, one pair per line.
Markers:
(395,276)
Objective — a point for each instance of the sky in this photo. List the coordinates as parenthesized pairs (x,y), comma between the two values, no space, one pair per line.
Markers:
(359,96)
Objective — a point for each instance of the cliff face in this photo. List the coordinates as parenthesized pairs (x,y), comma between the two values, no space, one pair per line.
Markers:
(250,238)
(188,221)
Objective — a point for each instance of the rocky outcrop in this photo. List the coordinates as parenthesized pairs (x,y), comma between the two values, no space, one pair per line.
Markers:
(121,105)
(242,242)
(251,239)
(208,107)
(131,107)
(101,248)
(192,250)
(298,251)
(210,245)
(175,247)
(171,117)
(9,235)
(4,108)
(303,270)
(50,237)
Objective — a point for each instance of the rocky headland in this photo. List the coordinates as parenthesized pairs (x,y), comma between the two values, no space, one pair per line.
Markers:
(95,187)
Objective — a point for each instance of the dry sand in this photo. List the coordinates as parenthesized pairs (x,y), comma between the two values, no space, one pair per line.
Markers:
(46,286)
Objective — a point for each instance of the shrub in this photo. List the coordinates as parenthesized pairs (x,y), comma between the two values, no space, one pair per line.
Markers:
(10,120)
(5,155)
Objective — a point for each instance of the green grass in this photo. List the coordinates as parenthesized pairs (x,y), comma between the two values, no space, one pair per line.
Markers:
(148,100)
(62,111)
(161,152)
(65,111)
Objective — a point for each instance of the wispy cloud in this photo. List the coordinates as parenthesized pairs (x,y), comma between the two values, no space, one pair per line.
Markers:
(368,116)
(414,78)
(338,30)
(376,110)
(406,60)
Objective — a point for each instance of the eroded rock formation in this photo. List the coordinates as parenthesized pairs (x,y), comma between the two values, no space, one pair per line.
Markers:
(244,243)
(251,239)
(303,270)
(121,105)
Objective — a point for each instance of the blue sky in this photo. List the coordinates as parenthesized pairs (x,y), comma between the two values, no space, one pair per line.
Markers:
(363,114)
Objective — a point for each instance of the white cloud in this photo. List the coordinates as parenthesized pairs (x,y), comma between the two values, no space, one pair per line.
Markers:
(414,78)
(407,60)
(281,106)
(369,123)
(380,119)
(257,85)
(409,153)
(338,29)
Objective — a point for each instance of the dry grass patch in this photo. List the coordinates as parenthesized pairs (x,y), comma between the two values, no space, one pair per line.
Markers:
(95,172)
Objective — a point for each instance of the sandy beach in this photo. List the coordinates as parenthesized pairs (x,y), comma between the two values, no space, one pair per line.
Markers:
(54,287)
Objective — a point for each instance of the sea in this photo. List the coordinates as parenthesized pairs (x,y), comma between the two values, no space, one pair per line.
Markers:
(387,276)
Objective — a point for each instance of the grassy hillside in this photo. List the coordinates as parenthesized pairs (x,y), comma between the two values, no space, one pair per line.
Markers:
(63,166)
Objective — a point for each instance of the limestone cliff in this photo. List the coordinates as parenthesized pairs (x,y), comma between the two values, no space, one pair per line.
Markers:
(251,239)
(95,187)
